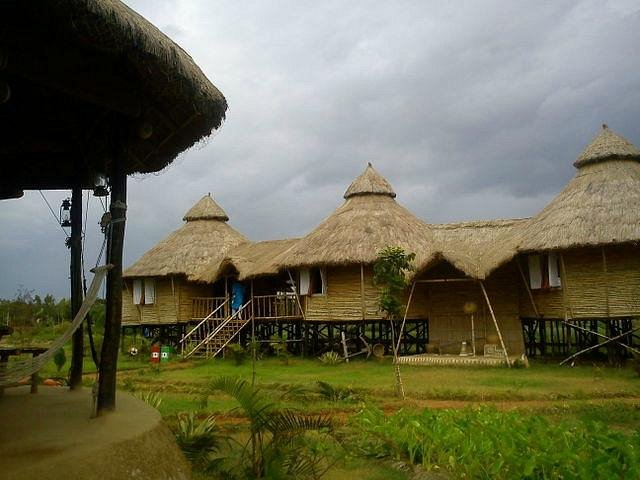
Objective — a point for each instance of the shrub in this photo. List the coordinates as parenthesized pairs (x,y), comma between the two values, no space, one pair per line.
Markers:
(198,439)
(330,358)
(60,358)
(336,394)
(151,398)
(486,443)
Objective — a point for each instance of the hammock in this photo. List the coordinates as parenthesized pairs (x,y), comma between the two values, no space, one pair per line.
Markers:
(20,369)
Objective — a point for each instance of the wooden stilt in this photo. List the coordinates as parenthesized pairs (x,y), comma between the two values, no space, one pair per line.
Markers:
(75,375)
(495,322)
(109,356)
(608,341)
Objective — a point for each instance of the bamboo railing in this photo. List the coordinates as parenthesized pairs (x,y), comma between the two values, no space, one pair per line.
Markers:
(280,306)
(201,307)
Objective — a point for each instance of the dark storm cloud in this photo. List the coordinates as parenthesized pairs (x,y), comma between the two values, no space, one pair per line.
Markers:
(471,110)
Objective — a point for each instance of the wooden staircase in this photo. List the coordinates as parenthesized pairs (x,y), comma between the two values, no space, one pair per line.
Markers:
(214,332)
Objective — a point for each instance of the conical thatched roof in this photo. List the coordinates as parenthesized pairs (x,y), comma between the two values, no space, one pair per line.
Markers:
(194,249)
(370,182)
(606,146)
(368,221)
(206,209)
(599,206)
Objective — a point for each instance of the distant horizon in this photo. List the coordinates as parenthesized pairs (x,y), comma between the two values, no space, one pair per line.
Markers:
(472,112)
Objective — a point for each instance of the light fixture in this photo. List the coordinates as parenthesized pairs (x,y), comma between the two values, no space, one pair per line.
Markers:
(100,188)
(65,213)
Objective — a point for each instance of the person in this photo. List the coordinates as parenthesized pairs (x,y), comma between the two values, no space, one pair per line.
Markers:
(237,298)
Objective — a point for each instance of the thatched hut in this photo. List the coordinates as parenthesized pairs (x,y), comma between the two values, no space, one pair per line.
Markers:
(458,282)
(332,265)
(169,286)
(580,256)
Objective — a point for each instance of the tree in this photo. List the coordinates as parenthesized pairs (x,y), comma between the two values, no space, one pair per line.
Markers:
(389,273)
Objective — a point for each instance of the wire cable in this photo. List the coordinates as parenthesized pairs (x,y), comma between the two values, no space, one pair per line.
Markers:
(53,213)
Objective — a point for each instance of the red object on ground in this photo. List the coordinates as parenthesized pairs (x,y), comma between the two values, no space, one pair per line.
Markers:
(155,354)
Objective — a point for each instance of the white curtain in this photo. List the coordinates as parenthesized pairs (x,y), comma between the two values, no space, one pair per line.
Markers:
(554,271)
(137,292)
(149,291)
(305,281)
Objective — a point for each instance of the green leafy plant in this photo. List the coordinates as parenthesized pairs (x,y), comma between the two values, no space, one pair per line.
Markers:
(280,443)
(330,358)
(199,439)
(335,393)
(60,358)
(279,347)
(151,398)
(486,443)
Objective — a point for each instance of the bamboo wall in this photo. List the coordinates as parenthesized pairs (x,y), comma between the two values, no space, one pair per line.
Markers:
(343,300)
(172,305)
(443,304)
(588,291)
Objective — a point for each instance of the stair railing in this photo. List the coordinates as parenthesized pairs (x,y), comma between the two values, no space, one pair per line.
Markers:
(218,328)
(203,324)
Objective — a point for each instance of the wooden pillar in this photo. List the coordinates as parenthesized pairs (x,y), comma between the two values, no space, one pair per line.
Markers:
(75,374)
(109,356)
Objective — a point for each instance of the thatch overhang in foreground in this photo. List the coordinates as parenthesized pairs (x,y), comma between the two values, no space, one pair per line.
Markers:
(369,220)
(469,246)
(253,260)
(599,206)
(97,74)
(201,242)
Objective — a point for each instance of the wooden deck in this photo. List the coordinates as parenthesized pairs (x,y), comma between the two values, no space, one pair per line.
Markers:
(453,360)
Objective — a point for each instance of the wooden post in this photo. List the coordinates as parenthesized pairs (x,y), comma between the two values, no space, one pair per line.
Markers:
(109,356)
(473,336)
(75,374)
(495,322)
(362,300)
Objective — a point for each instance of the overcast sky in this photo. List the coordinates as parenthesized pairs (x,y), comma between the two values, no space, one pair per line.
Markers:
(472,110)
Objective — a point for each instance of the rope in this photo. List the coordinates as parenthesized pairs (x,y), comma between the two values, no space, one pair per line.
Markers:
(20,369)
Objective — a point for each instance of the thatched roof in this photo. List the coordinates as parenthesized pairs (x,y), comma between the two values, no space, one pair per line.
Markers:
(368,221)
(97,76)
(370,182)
(206,209)
(607,145)
(470,246)
(198,246)
(599,206)
(258,259)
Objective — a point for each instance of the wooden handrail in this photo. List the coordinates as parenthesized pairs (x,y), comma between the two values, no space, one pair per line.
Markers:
(205,319)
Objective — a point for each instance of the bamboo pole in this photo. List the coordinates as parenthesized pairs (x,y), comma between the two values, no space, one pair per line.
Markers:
(495,322)
(526,285)
(609,340)
(175,305)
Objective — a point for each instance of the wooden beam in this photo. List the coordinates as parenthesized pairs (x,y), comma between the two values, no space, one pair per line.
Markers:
(68,70)
(495,322)
(113,320)
(446,280)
